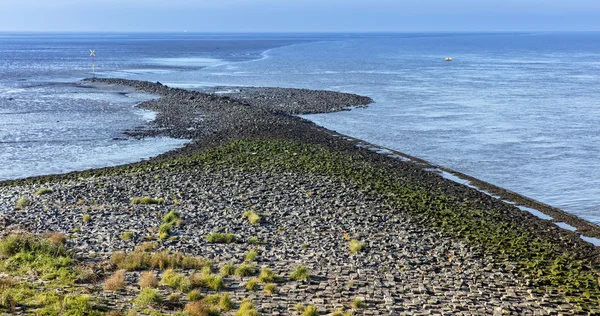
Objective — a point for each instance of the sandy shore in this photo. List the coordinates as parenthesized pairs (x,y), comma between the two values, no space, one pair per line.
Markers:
(430,245)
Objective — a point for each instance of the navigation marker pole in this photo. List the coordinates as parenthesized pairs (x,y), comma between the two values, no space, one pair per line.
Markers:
(93,54)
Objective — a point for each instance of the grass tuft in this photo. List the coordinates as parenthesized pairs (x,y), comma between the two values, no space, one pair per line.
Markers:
(221,238)
(199,308)
(207,279)
(267,275)
(271,289)
(42,191)
(127,236)
(247,309)
(194,295)
(252,284)
(21,203)
(251,255)
(301,273)
(252,217)
(310,310)
(148,279)
(356,246)
(172,279)
(116,282)
(173,218)
(358,303)
(227,269)
(147,297)
(225,303)
(146,200)
(245,270)
(174,298)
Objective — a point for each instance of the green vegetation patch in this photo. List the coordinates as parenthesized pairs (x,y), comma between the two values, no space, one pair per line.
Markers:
(252,217)
(27,255)
(173,218)
(310,310)
(301,273)
(21,203)
(24,254)
(43,191)
(127,236)
(247,309)
(221,238)
(148,296)
(251,255)
(245,270)
(356,246)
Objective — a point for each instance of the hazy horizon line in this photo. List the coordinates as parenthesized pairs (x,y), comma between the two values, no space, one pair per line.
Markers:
(305,32)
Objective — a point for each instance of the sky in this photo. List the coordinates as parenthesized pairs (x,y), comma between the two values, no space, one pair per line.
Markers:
(298,15)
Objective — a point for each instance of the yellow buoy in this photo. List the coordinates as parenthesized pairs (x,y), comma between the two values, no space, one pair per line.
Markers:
(448,58)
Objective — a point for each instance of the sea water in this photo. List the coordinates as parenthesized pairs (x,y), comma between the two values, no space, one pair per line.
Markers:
(519,110)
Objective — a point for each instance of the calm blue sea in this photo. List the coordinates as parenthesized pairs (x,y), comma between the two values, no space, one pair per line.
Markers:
(519,110)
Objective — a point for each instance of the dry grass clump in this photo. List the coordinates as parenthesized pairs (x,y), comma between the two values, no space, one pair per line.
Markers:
(146,246)
(116,282)
(148,279)
(356,246)
(198,308)
(252,217)
(57,239)
(207,279)
(301,273)
(86,218)
(140,260)
(6,282)
(174,297)
(131,262)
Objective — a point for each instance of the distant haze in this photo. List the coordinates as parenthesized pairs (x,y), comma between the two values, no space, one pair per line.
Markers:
(299,15)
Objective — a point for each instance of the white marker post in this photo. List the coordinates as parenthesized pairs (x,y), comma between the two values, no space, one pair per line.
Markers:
(93,54)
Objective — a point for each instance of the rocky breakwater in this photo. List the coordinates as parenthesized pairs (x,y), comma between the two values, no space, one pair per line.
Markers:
(292,217)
